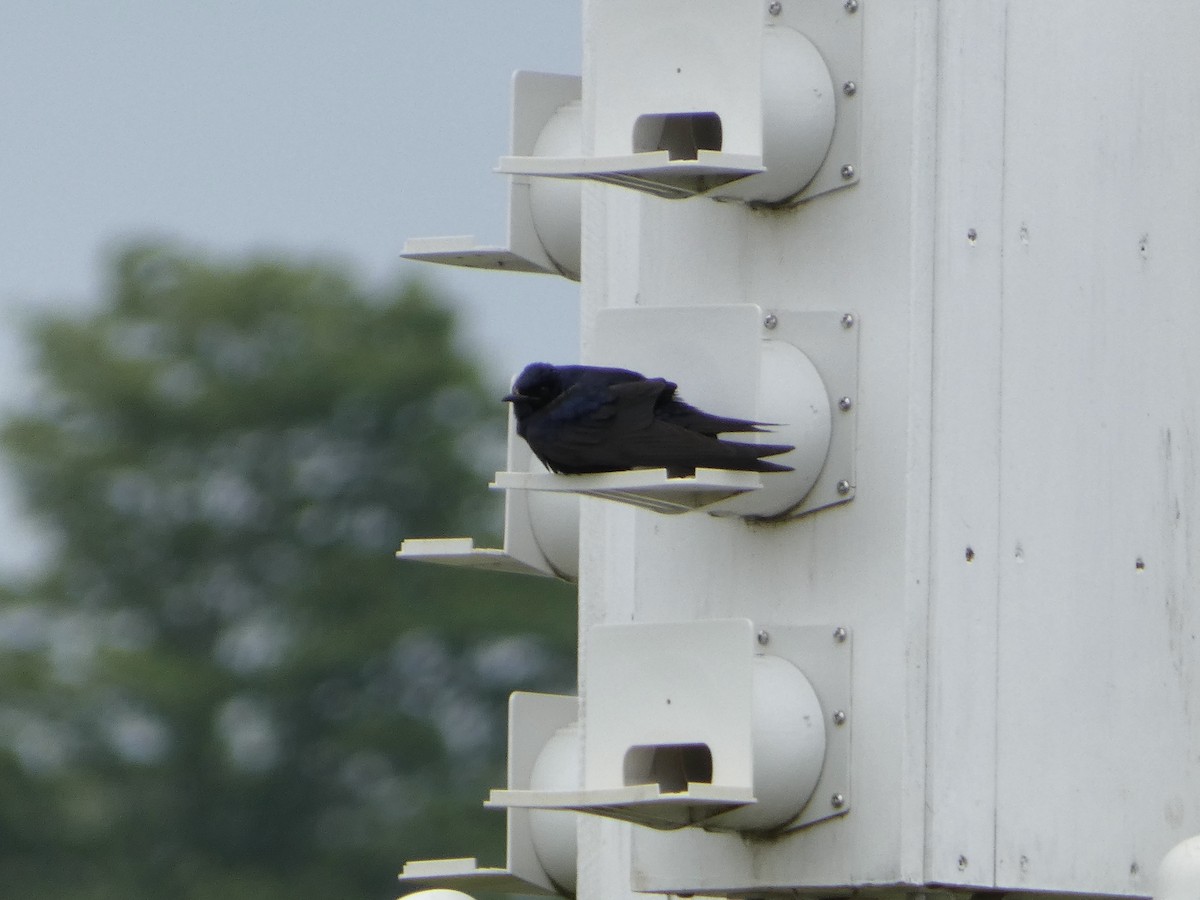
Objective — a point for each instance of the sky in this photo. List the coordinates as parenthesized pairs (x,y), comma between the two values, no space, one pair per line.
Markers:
(235,127)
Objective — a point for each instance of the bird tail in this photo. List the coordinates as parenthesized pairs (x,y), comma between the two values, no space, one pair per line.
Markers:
(757,451)
(745,457)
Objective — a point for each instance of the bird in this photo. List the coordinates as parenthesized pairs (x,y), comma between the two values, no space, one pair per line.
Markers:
(585,419)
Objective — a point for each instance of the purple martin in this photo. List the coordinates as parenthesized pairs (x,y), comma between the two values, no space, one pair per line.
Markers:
(582,419)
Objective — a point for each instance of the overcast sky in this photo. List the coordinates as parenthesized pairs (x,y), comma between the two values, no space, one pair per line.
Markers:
(234,126)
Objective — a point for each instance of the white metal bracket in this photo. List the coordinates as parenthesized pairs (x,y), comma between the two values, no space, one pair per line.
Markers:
(538,99)
(645,488)
(541,532)
(532,720)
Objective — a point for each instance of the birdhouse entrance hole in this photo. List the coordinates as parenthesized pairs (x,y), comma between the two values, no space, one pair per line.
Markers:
(671,766)
(682,135)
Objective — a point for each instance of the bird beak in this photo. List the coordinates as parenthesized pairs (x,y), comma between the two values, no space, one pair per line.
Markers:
(510,398)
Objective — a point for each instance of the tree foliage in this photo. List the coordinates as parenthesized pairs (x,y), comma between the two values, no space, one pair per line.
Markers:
(225,686)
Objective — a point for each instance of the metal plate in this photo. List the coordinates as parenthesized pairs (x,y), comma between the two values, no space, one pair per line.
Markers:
(646,488)
(830,341)
(835,27)
(823,654)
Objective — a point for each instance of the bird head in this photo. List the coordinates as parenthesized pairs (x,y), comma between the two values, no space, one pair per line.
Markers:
(536,387)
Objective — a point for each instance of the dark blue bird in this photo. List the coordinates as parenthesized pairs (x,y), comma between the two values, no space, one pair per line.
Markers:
(581,419)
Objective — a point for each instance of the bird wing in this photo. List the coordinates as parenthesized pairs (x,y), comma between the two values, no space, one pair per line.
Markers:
(595,411)
(668,405)
(677,412)
(605,423)
(633,433)
(596,375)
(590,425)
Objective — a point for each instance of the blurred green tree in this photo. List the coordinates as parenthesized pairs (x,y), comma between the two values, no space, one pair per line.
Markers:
(224,686)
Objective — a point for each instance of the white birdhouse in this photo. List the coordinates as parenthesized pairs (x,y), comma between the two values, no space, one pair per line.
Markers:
(985,561)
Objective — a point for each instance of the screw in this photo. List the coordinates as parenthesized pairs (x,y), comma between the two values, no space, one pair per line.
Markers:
(849,88)
(837,801)
(764,637)
(848,320)
(770,321)
(839,717)
(847,171)
(775,8)
(843,487)
(845,404)
(851,6)
(839,634)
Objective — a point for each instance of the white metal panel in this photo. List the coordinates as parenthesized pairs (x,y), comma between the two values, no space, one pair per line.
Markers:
(965,412)
(1098,728)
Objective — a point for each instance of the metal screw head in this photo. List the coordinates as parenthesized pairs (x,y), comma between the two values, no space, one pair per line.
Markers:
(839,717)
(843,487)
(764,637)
(839,634)
(775,8)
(851,6)
(845,404)
(848,320)
(770,321)
(837,801)
(847,171)
(849,88)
